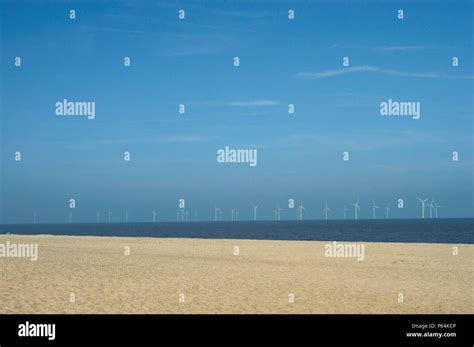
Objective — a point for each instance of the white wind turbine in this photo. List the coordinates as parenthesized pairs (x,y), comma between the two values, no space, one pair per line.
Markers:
(70,217)
(299,211)
(345,210)
(423,203)
(126,216)
(374,207)
(254,212)
(326,211)
(356,208)
(110,216)
(217,211)
(431,206)
(154,214)
(276,212)
(436,206)
(387,210)
(232,214)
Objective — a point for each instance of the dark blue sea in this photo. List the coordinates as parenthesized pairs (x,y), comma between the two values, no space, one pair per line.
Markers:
(396,230)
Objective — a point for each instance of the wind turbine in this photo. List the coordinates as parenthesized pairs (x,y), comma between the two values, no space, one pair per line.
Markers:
(374,207)
(70,217)
(326,210)
(423,202)
(254,211)
(110,216)
(345,210)
(387,210)
(299,211)
(431,205)
(126,216)
(436,206)
(154,214)
(356,208)
(178,212)
(216,213)
(277,212)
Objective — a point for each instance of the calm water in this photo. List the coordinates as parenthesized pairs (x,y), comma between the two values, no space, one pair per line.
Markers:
(414,230)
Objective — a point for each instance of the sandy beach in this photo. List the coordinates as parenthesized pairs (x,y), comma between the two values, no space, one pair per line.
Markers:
(164,275)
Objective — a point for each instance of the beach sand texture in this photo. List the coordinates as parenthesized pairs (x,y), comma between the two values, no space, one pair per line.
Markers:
(212,279)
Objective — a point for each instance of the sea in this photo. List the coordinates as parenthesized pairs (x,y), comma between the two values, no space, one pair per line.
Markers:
(457,231)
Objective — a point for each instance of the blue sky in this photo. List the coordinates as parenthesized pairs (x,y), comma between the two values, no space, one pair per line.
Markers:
(191,62)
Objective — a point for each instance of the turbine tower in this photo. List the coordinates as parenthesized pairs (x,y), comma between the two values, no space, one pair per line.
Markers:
(431,205)
(345,210)
(436,206)
(254,212)
(387,210)
(299,211)
(217,211)
(423,203)
(326,211)
(276,213)
(70,217)
(110,216)
(374,207)
(356,208)
(126,216)
(154,214)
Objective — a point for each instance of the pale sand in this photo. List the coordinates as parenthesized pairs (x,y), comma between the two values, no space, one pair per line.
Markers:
(214,280)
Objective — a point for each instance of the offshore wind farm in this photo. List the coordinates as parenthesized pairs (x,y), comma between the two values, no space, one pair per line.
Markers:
(426,228)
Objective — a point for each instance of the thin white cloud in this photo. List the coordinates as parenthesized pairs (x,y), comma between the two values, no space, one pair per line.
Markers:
(259,102)
(376,70)
(388,48)
(403,48)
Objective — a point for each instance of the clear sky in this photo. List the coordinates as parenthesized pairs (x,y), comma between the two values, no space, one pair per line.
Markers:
(190,62)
